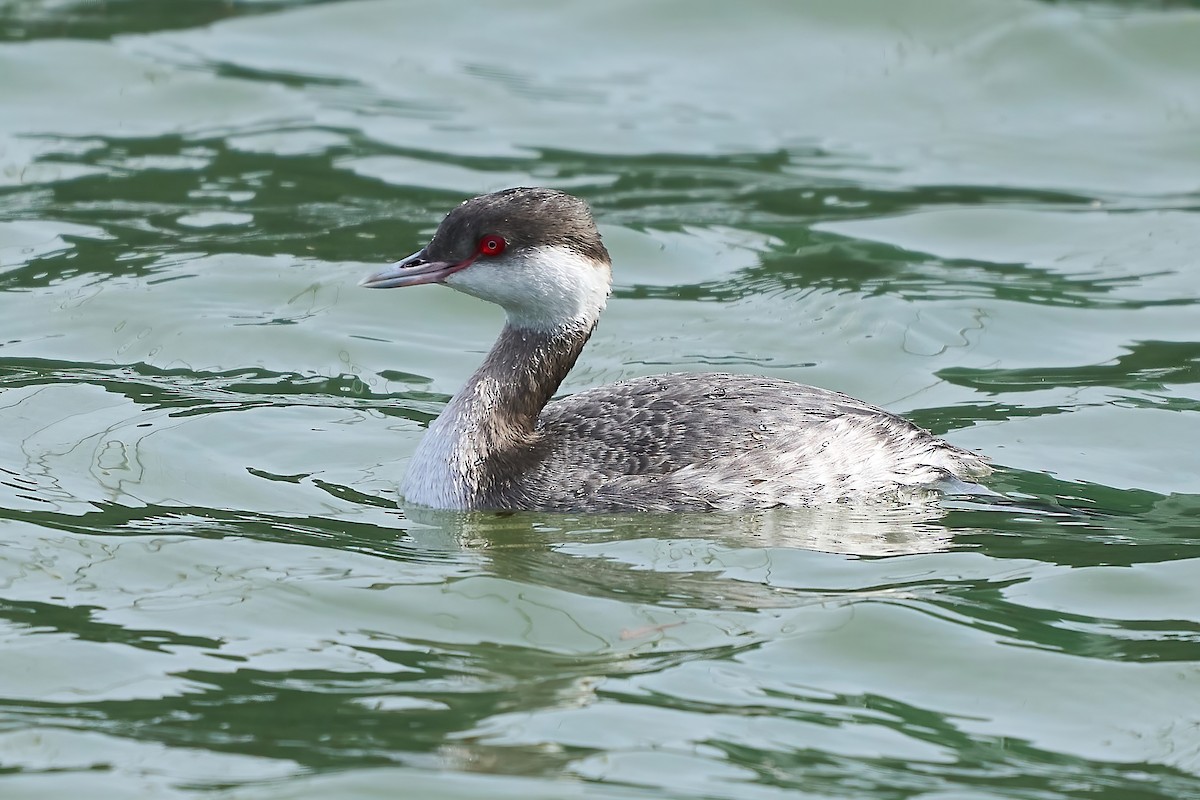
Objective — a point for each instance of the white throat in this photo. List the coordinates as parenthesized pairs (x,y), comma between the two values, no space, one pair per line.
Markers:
(541,288)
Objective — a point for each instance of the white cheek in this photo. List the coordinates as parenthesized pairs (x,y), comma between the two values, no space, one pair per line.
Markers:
(545,287)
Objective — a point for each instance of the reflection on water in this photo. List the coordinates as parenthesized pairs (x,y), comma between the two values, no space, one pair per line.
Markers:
(848,530)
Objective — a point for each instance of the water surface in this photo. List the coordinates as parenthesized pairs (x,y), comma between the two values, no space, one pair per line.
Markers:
(983,215)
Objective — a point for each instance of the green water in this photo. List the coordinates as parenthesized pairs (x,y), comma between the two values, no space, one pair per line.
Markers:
(982,214)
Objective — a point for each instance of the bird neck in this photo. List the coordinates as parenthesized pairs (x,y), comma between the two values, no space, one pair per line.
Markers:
(487,435)
(518,377)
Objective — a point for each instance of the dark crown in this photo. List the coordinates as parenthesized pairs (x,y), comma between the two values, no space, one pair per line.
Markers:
(525,217)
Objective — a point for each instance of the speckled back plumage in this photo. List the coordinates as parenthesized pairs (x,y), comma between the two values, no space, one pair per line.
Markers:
(721,441)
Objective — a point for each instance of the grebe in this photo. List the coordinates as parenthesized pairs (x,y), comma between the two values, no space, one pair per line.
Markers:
(675,442)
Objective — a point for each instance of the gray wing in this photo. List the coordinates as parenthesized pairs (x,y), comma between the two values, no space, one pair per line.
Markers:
(716,440)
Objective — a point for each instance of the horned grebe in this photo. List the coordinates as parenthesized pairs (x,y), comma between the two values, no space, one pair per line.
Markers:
(675,442)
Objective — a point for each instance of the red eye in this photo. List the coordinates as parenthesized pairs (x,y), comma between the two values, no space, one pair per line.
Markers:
(492,245)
